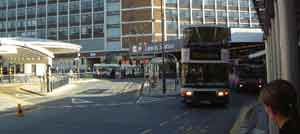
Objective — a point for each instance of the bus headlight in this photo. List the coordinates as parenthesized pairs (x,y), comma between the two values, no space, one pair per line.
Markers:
(221,93)
(188,93)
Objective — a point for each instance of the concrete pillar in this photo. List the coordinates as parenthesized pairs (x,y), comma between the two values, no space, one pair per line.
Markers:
(28,68)
(288,41)
(274,50)
(268,60)
(277,39)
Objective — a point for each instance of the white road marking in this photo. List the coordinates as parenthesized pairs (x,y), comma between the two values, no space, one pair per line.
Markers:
(67,106)
(142,99)
(147,131)
(80,101)
(163,123)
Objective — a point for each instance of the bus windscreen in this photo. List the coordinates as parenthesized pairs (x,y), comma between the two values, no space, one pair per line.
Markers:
(205,75)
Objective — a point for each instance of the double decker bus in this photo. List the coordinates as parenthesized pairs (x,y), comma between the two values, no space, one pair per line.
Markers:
(205,65)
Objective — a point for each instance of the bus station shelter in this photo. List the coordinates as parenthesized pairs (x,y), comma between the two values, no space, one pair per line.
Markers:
(31,56)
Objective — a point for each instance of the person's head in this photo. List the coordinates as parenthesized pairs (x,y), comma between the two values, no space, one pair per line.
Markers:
(280,100)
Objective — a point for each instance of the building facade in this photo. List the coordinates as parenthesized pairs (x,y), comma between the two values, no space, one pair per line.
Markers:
(108,27)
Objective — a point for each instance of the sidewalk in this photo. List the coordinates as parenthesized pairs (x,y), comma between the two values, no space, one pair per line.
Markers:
(156,90)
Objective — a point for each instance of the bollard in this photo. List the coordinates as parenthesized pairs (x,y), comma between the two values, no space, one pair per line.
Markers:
(19,111)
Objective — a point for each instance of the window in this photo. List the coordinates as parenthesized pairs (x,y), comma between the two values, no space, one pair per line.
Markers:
(30,2)
(2,15)
(171,14)
(11,25)
(113,32)
(251,4)
(210,14)
(52,21)
(74,7)
(98,31)
(115,19)
(197,4)
(98,18)
(86,32)
(254,16)
(113,6)
(244,15)
(184,15)
(41,11)
(63,8)
(63,34)
(221,3)
(86,19)
(11,3)
(2,26)
(52,9)
(11,14)
(2,4)
(21,24)
(244,3)
(233,3)
(41,33)
(31,12)
(233,15)
(197,15)
(41,22)
(52,1)
(209,2)
(222,15)
(74,20)
(52,34)
(41,1)
(74,33)
(172,27)
(21,12)
(31,23)
(184,3)
(21,3)
(171,3)
(86,5)
(98,5)
(63,21)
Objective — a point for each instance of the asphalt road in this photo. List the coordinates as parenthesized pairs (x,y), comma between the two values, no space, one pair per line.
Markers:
(92,112)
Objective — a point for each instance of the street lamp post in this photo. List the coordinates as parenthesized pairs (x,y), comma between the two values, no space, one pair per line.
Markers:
(163,48)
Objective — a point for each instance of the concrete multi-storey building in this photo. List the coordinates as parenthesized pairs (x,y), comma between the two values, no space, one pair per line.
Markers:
(110,27)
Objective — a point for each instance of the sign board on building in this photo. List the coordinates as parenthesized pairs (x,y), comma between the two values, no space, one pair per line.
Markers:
(92,54)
